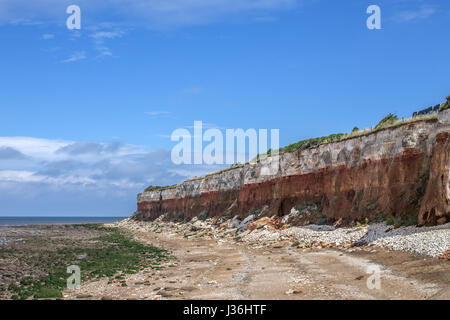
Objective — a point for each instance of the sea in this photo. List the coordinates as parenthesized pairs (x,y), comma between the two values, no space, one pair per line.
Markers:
(22,221)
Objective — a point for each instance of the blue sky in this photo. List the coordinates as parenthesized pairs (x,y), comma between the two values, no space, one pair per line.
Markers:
(86,115)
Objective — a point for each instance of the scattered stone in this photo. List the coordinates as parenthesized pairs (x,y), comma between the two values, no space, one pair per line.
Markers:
(338,223)
(244,224)
(445,255)
(274,232)
(234,223)
(164,294)
(292,291)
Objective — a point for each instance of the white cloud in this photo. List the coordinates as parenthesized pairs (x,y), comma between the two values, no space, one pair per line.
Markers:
(43,149)
(45,176)
(104,165)
(414,15)
(107,34)
(47,36)
(101,36)
(18,176)
(158,113)
(75,57)
(207,125)
(29,176)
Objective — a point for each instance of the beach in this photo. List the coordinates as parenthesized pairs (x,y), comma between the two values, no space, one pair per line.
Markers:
(197,260)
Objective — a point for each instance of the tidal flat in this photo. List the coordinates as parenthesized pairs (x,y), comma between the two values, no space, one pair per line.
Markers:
(34,259)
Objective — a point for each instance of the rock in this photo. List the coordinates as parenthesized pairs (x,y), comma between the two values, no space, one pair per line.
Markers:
(258,224)
(445,255)
(223,225)
(338,223)
(230,232)
(169,289)
(291,216)
(269,223)
(164,294)
(213,220)
(220,220)
(359,243)
(244,224)
(234,223)
(292,291)
(295,243)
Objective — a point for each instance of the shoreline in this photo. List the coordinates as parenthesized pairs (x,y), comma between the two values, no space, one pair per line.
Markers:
(7,221)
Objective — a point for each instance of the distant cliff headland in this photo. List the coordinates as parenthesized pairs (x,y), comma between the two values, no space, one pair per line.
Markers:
(399,169)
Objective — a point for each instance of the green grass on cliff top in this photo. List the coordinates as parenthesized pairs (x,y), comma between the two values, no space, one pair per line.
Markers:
(445,105)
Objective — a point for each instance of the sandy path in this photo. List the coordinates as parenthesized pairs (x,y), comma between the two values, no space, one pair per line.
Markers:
(207,269)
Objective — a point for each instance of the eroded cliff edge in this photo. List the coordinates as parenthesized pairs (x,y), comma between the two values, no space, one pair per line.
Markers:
(402,171)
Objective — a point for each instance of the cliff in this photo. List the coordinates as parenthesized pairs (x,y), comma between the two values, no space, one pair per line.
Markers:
(402,171)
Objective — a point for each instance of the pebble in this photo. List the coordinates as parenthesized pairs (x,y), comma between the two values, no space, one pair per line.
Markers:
(429,241)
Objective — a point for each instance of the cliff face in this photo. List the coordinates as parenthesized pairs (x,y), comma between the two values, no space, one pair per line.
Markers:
(435,207)
(402,172)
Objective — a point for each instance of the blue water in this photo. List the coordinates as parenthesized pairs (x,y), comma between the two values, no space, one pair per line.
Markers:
(21,221)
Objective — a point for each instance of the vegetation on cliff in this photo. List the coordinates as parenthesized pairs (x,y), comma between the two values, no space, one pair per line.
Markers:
(386,122)
(445,105)
(159,188)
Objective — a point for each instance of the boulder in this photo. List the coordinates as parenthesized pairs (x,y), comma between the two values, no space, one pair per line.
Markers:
(272,223)
(244,224)
(234,223)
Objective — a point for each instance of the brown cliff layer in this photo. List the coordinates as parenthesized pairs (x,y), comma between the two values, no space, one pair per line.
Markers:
(372,189)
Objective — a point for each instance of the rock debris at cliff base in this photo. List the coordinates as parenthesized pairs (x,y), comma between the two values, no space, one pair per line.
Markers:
(269,232)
